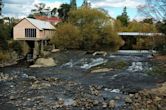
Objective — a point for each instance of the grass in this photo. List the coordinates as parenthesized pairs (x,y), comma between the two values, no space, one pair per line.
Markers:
(113,64)
(4,56)
(158,70)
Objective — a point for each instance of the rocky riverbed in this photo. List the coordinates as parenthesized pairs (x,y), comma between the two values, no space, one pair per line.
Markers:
(81,81)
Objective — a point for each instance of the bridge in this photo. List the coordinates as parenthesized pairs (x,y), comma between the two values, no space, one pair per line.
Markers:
(136,34)
(130,38)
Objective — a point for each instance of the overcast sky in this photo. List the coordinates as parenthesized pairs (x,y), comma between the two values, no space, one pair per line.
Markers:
(21,8)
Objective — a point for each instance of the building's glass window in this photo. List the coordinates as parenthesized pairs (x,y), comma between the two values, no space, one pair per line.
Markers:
(30,32)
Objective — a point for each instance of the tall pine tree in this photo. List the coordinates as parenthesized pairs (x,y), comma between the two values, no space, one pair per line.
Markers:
(86,3)
(1,7)
(73,4)
(124,18)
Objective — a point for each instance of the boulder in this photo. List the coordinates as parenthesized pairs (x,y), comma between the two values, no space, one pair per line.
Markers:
(128,100)
(112,104)
(103,53)
(44,62)
(55,50)
(46,53)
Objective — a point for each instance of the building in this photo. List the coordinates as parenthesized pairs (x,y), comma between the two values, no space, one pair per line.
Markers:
(52,20)
(34,32)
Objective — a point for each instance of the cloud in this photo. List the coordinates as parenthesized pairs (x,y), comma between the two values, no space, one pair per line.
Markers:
(22,8)
(27,2)
(17,8)
(54,4)
(117,3)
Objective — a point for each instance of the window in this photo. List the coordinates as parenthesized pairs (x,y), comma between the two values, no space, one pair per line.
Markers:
(30,32)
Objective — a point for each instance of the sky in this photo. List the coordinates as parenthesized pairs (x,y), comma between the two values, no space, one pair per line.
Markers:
(22,8)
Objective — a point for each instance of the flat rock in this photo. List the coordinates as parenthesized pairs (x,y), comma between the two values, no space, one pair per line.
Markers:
(44,62)
(55,50)
(101,70)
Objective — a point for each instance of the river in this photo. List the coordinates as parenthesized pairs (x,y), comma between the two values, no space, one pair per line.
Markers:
(73,85)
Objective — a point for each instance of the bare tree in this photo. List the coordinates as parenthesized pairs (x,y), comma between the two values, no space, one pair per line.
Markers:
(155,9)
(41,9)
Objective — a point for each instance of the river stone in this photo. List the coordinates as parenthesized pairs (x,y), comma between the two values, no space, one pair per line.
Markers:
(101,70)
(94,91)
(11,97)
(40,85)
(44,62)
(104,105)
(112,104)
(4,77)
(95,102)
(128,100)
(55,50)
(117,98)
(103,53)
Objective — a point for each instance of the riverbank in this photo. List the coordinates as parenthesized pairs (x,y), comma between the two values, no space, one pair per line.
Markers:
(12,62)
(160,58)
(9,58)
(153,99)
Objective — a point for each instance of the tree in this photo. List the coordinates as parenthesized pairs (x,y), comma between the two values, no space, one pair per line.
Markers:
(54,11)
(161,41)
(86,3)
(86,16)
(148,20)
(91,29)
(135,26)
(73,4)
(3,37)
(1,4)
(155,9)
(124,17)
(161,26)
(41,10)
(63,11)
(67,36)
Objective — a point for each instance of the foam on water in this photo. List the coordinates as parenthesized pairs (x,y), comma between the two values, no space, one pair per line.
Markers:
(94,62)
(138,66)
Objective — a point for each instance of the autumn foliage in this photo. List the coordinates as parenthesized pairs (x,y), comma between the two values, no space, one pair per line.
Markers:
(88,29)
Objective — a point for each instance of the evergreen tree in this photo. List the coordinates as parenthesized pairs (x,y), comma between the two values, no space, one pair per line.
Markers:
(1,7)
(86,3)
(124,17)
(63,11)
(73,4)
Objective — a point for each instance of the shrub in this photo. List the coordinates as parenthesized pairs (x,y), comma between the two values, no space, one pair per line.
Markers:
(67,36)
(19,47)
(4,56)
(88,29)
(16,46)
(158,70)
(160,44)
